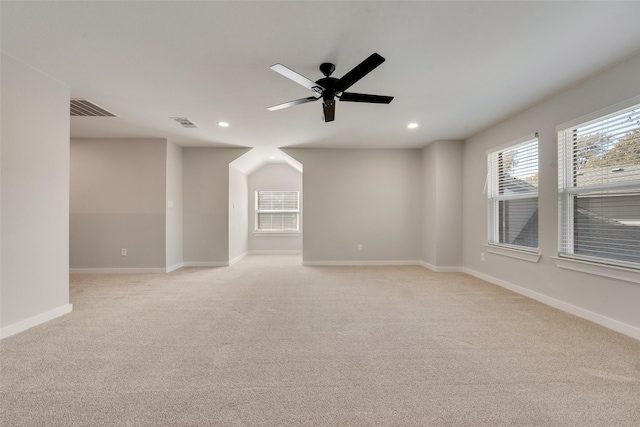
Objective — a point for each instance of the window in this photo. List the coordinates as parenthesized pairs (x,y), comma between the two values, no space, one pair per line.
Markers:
(599,188)
(277,211)
(513,194)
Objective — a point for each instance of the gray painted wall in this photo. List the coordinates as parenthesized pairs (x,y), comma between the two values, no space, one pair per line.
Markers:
(368,197)
(206,204)
(174,254)
(118,195)
(34,168)
(238,213)
(429,211)
(590,295)
(442,205)
(273,176)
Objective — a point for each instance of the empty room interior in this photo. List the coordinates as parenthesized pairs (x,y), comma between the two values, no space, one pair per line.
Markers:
(320,213)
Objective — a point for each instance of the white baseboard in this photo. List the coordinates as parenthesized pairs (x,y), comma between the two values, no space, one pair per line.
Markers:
(205,264)
(116,270)
(607,322)
(238,258)
(391,263)
(441,269)
(275,252)
(36,320)
(174,267)
(358,263)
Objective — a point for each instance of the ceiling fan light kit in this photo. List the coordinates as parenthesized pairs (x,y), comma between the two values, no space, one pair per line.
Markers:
(329,88)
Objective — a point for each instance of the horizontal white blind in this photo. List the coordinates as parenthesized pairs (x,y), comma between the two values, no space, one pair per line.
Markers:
(599,188)
(277,211)
(277,221)
(513,195)
(514,171)
(278,201)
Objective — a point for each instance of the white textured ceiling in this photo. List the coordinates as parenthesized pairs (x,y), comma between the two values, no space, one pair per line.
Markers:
(453,67)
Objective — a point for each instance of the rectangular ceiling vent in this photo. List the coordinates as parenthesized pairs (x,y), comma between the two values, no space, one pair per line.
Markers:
(185,122)
(86,108)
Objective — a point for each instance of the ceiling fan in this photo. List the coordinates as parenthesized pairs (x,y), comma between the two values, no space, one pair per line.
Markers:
(329,88)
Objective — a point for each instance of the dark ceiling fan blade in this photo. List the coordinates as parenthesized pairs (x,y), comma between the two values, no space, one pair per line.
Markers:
(292,103)
(329,110)
(298,78)
(363,97)
(360,70)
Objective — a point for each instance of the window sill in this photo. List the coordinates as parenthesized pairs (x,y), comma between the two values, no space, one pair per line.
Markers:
(523,255)
(276,233)
(597,269)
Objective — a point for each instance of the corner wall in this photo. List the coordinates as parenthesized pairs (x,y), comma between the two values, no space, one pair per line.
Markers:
(206,204)
(34,177)
(238,214)
(174,233)
(606,300)
(442,205)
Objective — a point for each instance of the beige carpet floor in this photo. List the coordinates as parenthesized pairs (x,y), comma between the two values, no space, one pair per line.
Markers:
(268,342)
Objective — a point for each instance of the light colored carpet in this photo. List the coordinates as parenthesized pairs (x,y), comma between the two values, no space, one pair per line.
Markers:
(270,342)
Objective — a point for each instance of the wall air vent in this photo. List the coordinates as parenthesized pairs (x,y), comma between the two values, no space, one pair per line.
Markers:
(86,108)
(185,122)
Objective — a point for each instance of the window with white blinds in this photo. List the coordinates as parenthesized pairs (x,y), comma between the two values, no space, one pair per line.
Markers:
(599,188)
(512,186)
(277,211)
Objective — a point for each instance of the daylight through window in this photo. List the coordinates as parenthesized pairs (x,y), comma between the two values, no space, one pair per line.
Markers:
(513,194)
(599,188)
(277,211)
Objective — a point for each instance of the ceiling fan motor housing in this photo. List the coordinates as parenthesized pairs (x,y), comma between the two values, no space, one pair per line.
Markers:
(327,68)
(328,88)
(330,85)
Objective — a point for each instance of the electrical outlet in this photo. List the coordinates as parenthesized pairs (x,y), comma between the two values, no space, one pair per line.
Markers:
(481,256)
(359,246)
(123,252)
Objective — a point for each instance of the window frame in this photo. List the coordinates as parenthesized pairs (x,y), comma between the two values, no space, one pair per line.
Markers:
(569,190)
(257,212)
(495,238)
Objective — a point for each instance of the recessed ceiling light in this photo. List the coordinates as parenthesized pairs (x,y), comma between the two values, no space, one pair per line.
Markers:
(223,124)
(412,125)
